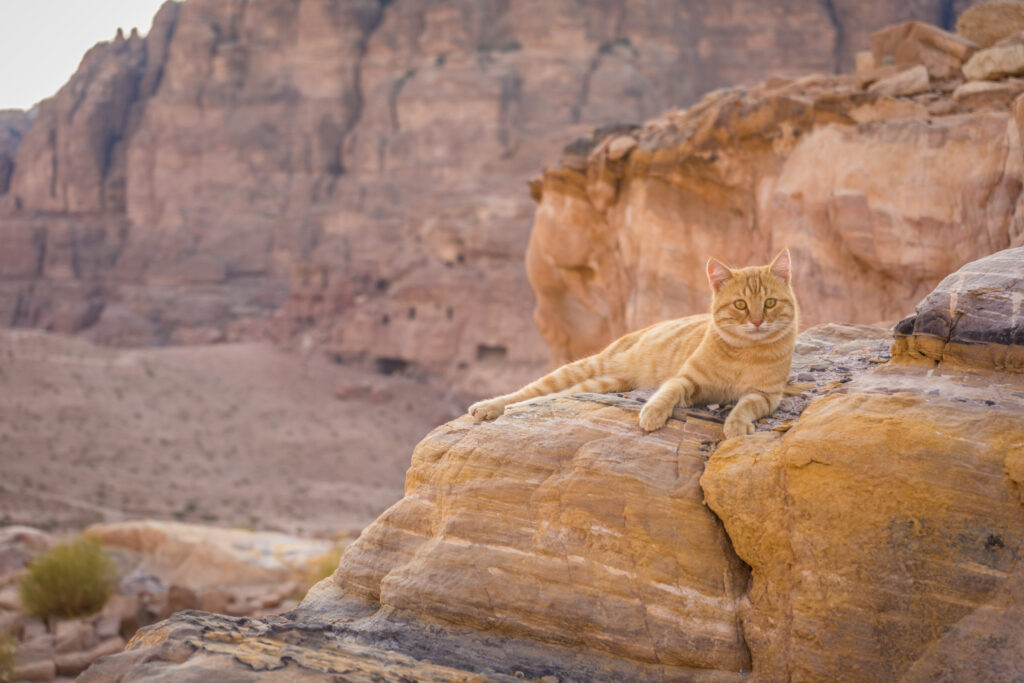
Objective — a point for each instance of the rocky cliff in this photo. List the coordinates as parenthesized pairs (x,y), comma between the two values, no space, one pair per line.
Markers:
(871,530)
(880,182)
(354,171)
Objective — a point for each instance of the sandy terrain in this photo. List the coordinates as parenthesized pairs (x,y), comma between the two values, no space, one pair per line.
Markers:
(236,435)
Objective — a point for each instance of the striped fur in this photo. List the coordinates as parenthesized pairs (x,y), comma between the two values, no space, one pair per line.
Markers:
(739,352)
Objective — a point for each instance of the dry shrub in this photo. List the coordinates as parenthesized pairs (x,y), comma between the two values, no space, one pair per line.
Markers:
(71,579)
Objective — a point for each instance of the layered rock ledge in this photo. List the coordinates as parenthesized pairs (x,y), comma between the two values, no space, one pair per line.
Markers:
(874,535)
(880,182)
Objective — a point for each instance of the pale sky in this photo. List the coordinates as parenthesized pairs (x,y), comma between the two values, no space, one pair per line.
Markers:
(42,41)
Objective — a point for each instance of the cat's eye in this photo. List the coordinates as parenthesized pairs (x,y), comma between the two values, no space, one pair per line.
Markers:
(740,304)
(769,303)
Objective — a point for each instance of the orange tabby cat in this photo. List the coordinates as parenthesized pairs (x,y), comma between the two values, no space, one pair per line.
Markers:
(741,351)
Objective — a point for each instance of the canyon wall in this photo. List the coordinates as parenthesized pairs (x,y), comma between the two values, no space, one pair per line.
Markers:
(354,172)
(880,182)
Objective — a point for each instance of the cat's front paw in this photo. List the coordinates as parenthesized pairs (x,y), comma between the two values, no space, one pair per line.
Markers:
(487,410)
(737,428)
(654,416)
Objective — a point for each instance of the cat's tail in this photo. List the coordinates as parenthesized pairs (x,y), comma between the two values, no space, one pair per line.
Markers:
(585,374)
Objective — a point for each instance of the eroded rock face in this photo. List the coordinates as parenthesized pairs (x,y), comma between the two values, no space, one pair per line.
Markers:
(384,145)
(878,197)
(973,318)
(884,530)
(877,534)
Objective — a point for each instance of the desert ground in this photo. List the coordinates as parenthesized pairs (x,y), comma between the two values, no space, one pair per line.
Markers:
(244,435)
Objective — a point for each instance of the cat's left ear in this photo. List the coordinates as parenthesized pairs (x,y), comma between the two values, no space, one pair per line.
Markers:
(781,266)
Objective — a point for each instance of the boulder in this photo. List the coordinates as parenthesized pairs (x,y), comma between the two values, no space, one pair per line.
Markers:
(884,530)
(995,62)
(990,22)
(979,94)
(909,82)
(916,42)
(192,557)
(972,319)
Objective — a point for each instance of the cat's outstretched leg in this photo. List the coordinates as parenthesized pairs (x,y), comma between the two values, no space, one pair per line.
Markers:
(566,377)
(673,392)
(750,407)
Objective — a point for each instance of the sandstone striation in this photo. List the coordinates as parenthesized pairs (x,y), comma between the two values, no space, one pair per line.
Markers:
(876,535)
(973,318)
(880,184)
(185,186)
(884,529)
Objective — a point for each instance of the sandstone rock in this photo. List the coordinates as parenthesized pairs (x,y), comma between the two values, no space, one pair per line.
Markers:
(194,557)
(72,635)
(10,598)
(864,62)
(909,82)
(995,63)
(196,647)
(989,22)
(620,147)
(971,319)
(916,42)
(882,527)
(39,670)
(507,556)
(74,663)
(977,94)
(108,627)
(34,646)
(564,520)
(833,173)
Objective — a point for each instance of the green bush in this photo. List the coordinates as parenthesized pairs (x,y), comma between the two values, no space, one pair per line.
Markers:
(7,651)
(70,580)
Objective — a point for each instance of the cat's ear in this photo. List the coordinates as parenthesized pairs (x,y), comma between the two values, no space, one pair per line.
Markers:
(718,273)
(781,266)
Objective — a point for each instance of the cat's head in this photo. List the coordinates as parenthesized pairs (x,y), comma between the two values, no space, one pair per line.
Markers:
(755,304)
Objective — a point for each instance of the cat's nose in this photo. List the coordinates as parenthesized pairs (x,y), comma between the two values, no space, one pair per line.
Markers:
(757,323)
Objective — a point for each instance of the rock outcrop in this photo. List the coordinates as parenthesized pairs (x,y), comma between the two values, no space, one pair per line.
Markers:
(880,183)
(353,171)
(876,536)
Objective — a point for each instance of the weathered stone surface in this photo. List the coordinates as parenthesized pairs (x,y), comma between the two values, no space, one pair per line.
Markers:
(196,557)
(882,527)
(39,670)
(909,82)
(995,63)
(972,318)
(916,42)
(883,532)
(589,541)
(74,663)
(990,22)
(557,541)
(979,94)
(198,647)
(873,195)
